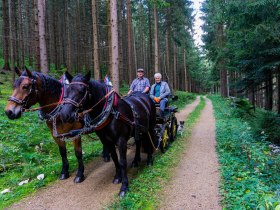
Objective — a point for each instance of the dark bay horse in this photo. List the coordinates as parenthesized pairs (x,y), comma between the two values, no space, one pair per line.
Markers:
(130,116)
(33,87)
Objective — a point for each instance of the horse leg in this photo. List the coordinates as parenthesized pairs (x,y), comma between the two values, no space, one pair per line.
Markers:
(137,158)
(122,144)
(105,154)
(150,149)
(65,165)
(118,177)
(79,155)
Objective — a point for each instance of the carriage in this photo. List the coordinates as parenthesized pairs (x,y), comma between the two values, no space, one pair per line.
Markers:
(166,126)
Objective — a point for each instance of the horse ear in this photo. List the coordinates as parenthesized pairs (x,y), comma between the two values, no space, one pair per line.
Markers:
(29,73)
(87,76)
(26,68)
(68,76)
(18,71)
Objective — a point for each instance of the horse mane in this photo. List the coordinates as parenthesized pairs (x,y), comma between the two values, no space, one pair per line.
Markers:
(93,84)
(50,84)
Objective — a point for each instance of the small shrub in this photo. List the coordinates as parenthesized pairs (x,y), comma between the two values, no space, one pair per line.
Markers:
(241,107)
(268,124)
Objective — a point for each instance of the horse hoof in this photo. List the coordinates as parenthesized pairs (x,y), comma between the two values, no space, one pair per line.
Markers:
(117,181)
(79,179)
(106,159)
(122,193)
(64,176)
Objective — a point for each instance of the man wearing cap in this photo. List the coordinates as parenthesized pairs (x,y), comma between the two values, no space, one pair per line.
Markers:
(141,84)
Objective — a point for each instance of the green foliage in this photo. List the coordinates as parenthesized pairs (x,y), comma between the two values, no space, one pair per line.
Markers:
(20,157)
(267,123)
(250,42)
(146,186)
(241,107)
(249,171)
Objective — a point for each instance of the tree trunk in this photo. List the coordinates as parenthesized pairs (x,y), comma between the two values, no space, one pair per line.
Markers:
(150,59)
(6,27)
(167,41)
(156,39)
(42,38)
(129,41)
(278,90)
(175,67)
(121,32)
(11,39)
(36,36)
(69,41)
(96,65)
(134,48)
(114,44)
(221,63)
(30,25)
(20,33)
(185,72)
(269,92)
(55,37)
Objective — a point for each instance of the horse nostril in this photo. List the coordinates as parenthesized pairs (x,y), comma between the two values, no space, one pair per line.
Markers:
(10,114)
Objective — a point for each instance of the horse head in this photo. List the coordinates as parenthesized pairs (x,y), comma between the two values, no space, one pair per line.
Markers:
(25,94)
(76,96)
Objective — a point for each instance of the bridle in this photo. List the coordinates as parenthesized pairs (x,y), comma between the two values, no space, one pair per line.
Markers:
(23,103)
(78,105)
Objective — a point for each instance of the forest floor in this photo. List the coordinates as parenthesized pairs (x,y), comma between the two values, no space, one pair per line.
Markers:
(194,184)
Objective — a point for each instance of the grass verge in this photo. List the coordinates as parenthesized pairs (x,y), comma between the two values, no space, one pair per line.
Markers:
(249,170)
(146,187)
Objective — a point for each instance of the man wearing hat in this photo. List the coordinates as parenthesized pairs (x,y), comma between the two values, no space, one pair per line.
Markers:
(140,84)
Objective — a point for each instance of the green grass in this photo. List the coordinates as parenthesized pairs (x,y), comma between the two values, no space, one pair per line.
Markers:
(249,171)
(146,187)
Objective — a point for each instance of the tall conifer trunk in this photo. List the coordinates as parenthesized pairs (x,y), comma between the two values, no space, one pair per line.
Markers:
(114,44)
(42,36)
(156,39)
(6,35)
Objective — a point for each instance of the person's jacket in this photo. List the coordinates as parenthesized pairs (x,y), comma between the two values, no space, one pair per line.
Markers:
(164,90)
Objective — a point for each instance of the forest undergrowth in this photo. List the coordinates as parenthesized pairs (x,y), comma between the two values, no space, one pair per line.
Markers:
(249,169)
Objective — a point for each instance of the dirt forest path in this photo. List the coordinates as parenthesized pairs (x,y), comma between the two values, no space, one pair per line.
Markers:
(194,184)
(94,193)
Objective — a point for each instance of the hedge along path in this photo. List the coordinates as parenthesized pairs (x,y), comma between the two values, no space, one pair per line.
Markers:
(94,193)
(195,182)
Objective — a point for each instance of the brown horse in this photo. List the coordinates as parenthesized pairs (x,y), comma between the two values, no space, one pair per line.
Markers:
(33,87)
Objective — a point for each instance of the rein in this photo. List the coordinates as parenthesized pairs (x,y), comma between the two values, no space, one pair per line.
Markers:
(41,107)
(89,110)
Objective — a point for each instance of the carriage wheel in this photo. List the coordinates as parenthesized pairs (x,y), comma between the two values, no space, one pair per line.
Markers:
(173,129)
(164,139)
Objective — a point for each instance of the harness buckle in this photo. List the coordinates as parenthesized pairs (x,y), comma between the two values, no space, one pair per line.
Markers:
(117,115)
